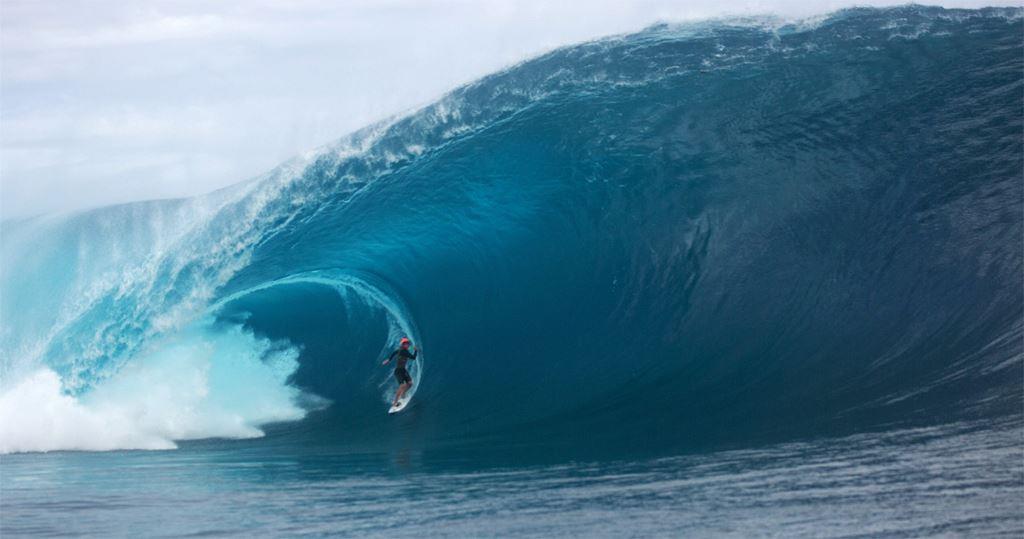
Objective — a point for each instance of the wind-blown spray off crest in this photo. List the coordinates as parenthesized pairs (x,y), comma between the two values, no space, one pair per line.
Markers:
(757,230)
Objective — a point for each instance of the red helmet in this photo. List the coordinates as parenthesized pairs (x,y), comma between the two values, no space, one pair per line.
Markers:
(405,341)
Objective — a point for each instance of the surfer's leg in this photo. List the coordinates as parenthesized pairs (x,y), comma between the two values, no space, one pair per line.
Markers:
(398,394)
(404,382)
(401,375)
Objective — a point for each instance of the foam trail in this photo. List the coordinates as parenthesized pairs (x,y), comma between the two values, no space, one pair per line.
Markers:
(205,382)
(400,322)
(758,231)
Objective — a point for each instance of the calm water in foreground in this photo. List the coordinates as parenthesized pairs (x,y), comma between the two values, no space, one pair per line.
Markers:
(909,483)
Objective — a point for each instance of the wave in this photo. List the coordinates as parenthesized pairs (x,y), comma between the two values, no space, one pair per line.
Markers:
(692,235)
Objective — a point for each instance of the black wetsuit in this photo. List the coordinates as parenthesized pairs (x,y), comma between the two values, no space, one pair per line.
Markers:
(403,356)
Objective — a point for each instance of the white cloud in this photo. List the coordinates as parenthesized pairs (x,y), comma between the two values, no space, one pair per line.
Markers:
(144,31)
(110,101)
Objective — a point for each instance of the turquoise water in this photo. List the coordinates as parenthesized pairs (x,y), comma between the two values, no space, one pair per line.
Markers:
(753,276)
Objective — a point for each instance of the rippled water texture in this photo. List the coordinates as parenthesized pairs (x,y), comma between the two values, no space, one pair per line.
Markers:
(756,234)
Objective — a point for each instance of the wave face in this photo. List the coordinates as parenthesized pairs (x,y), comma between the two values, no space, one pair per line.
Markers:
(702,234)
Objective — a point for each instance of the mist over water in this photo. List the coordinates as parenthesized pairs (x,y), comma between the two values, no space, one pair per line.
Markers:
(108,103)
(727,234)
(690,218)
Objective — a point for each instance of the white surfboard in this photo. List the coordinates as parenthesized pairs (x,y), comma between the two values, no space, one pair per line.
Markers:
(402,403)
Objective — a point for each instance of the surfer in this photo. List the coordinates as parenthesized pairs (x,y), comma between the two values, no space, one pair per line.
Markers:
(401,374)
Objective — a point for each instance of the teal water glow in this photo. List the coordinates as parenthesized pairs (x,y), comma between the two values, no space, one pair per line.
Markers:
(665,245)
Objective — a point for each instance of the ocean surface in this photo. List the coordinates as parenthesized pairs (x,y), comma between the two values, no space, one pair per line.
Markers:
(745,278)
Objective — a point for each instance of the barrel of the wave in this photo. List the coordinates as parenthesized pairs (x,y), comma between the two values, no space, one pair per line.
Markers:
(756,231)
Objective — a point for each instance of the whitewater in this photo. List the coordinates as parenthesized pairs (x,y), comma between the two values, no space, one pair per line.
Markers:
(667,264)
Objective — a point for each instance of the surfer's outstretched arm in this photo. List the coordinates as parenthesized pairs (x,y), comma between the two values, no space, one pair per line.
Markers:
(389,358)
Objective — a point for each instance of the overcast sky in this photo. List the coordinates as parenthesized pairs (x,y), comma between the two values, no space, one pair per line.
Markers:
(111,101)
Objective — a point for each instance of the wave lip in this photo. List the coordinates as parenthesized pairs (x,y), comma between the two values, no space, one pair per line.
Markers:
(693,235)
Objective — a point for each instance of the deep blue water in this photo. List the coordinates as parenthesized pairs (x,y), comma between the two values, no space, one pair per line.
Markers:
(736,277)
